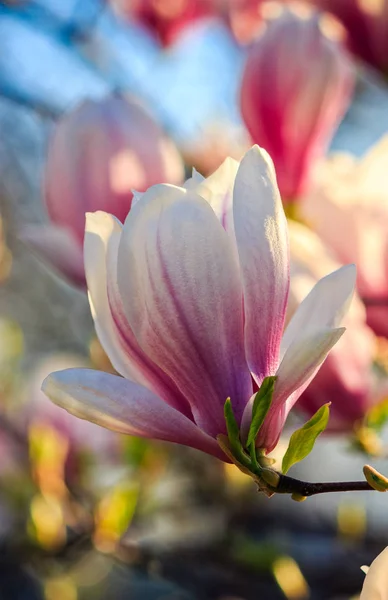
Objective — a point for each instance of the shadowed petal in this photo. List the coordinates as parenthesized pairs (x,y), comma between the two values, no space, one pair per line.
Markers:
(325,306)
(123,406)
(262,241)
(298,367)
(376,581)
(182,296)
(217,189)
(102,238)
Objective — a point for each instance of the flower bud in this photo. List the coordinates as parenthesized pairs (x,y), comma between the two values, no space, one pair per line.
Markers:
(295,89)
(98,154)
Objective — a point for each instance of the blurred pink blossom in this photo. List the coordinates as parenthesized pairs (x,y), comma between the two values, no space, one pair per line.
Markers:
(243,18)
(348,208)
(347,378)
(189,301)
(296,86)
(99,153)
(366,22)
(166,19)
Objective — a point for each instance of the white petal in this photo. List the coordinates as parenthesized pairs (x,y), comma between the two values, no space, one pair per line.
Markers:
(101,231)
(325,306)
(298,367)
(302,360)
(376,581)
(262,241)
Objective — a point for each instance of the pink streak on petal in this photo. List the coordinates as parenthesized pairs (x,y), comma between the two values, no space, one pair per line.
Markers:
(182,296)
(125,407)
(102,239)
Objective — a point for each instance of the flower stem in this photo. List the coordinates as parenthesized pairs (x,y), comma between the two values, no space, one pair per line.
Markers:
(289,485)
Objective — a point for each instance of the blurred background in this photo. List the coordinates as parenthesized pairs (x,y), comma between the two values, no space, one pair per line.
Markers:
(100,97)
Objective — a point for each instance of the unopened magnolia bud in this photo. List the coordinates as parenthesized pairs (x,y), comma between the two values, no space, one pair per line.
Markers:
(296,87)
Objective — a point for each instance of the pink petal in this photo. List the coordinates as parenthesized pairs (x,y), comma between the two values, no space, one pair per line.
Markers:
(123,406)
(182,296)
(102,239)
(262,241)
(59,248)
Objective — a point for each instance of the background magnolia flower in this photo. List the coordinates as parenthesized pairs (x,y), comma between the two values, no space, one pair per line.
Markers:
(99,153)
(366,22)
(346,377)
(376,581)
(189,300)
(166,18)
(348,208)
(296,86)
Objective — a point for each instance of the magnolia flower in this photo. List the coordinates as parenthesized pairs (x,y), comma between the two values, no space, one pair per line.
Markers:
(348,208)
(376,581)
(99,152)
(189,300)
(366,22)
(346,379)
(296,86)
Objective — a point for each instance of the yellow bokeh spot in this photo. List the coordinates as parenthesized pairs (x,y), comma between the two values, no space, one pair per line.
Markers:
(113,515)
(290,578)
(48,453)
(351,520)
(48,521)
(60,588)
(235,477)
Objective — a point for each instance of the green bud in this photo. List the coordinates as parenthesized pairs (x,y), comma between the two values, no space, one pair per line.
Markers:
(375,479)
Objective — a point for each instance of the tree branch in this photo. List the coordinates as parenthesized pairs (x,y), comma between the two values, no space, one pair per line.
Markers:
(289,485)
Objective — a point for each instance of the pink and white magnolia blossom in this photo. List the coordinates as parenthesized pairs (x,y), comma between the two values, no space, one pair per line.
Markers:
(98,154)
(376,581)
(189,299)
(348,208)
(296,86)
(366,22)
(347,378)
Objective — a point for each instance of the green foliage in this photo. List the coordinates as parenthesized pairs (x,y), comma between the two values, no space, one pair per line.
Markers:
(260,408)
(375,479)
(302,441)
(377,416)
(232,429)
